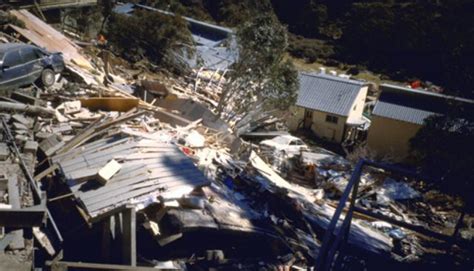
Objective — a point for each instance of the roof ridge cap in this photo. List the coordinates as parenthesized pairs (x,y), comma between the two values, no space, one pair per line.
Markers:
(334,78)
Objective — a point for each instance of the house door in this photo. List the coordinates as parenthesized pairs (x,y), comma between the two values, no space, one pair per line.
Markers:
(330,133)
(308,118)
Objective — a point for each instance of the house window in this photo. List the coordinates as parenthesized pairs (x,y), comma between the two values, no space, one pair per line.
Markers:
(331,119)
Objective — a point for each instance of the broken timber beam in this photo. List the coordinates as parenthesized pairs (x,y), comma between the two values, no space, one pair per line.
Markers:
(418,229)
(26,108)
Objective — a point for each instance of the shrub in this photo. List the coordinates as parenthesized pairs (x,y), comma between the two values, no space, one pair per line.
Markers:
(150,35)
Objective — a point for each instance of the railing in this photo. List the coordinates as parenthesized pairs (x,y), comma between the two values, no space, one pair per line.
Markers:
(332,241)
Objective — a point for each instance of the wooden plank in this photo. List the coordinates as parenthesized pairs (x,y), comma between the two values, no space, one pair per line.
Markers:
(89,168)
(97,128)
(98,153)
(110,103)
(79,138)
(89,148)
(126,172)
(99,162)
(46,172)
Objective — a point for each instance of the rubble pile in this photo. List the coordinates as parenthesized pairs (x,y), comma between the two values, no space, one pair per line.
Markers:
(15,190)
(101,179)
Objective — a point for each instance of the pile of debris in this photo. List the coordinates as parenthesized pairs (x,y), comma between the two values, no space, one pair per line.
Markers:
(130,184)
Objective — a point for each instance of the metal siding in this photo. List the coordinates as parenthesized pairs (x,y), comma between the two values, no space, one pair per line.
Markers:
(327,93)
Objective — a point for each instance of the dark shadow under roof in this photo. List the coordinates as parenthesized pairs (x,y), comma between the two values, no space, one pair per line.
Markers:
(327,93)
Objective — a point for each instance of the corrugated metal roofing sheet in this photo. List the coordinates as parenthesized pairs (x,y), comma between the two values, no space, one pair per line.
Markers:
(327,93)
(149,168)
(401,112)
(411,105)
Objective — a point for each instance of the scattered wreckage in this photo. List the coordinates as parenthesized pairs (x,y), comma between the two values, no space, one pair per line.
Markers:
(97,179)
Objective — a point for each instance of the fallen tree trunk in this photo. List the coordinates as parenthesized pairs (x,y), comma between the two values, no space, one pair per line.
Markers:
(26,108)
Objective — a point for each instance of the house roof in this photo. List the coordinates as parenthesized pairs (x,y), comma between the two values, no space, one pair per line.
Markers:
(411,105)
(327,93)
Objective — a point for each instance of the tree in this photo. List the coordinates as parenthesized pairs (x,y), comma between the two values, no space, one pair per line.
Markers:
(152,35)
(445,147)
(261,79)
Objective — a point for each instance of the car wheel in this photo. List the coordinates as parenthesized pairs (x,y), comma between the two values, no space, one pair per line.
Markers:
(47,78)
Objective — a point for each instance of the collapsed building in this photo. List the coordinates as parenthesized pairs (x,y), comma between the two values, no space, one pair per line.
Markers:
(97,179)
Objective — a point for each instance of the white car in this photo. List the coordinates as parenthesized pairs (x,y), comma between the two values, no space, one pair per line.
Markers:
(287,144)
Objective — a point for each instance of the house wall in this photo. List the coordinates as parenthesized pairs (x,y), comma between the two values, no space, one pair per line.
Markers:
(391,137)
(297,115)
(322,128)
(358,106)
(330,131)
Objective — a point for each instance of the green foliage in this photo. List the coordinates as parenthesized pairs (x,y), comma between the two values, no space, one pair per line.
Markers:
(445,146)
(283,86)
(309,49)
(429,39)
(303,17)
(262,42)
(260,77)
(432,40)
(87,20)
(149,35)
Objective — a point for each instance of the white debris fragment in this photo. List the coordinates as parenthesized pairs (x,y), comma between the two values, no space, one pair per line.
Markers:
(195,140)
(381,225)
(109,170)
(395,190)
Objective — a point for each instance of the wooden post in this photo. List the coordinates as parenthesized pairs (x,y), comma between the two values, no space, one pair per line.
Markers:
(129,240)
